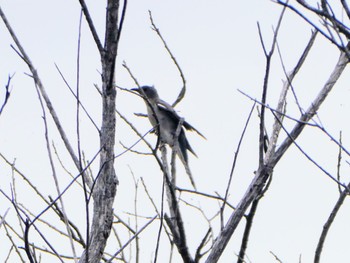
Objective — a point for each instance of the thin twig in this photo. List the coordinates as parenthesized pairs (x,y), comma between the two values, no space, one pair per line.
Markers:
(313,108)
(75,96)
(206,195)
(203,243)
(53,169)
(131,74)
(339,161)
(9,228)
(312,160)
(40,86)
(275,256)
(132,238)
(183,90)
(7,93)
(66,189)
(161,225)
(3,217)
(300,121)
(85,190)
(338,26)
(222,209)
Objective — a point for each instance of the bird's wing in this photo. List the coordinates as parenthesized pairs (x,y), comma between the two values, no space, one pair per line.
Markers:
(169,113)
(191,128)
(167,107)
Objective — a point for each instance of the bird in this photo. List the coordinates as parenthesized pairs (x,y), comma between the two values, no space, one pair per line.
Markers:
(165,121)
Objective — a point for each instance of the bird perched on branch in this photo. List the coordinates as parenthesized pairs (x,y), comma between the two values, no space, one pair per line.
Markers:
(168,124)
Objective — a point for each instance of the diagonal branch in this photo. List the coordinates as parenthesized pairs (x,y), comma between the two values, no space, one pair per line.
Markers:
(282,100)
(222,209)
(264,171)
(328,20)
(265,86)
(313,108)
(183,90)
(40,86)
(91,26)
(329,222)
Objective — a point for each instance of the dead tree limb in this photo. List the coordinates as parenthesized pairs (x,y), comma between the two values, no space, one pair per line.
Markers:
(269,162)
(105,186)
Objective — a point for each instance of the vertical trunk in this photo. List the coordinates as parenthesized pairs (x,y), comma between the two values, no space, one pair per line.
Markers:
(106,181)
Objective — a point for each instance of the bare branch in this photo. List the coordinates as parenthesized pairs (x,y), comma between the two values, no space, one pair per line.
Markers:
(40,86)
(325,15)
(264,91)
(175,223)
(329,222)
(265,170)
(53,169)
(7,93)
(27,245)
(204,241)
(247,229)
(65,189)
(311,111)
(339,160)
(284,115)
(131,75)
(76,97)
(3,217)
(88,18)
(280,112)
(161,223)
(234,163)
(206,195)
(131,239)
(183,90)
(275,256)
(346,7)
(312,160)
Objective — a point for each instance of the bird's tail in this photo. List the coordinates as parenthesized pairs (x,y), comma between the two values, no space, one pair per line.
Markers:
(182,153)
(187,168)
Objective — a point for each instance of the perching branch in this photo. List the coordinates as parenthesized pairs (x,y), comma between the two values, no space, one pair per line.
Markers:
(174,222)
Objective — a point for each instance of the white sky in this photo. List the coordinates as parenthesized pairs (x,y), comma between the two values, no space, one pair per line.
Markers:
(217,46)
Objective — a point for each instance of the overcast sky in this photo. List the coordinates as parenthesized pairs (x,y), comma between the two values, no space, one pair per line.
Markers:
(218,48)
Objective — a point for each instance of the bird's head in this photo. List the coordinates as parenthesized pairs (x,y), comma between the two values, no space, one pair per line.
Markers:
(149,91)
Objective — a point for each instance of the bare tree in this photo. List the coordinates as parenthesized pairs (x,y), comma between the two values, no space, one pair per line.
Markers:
(30,237)
(103,189)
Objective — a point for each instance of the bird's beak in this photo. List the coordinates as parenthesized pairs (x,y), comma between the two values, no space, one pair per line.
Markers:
(139,92)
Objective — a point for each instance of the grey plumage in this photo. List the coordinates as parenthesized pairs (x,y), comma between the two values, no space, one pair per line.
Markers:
(160,112)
